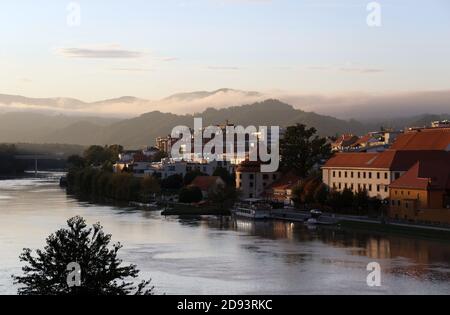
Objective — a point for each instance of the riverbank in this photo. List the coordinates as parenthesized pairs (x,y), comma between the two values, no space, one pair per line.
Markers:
(366,223)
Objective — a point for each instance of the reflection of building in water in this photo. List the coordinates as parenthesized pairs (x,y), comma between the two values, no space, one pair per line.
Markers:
(283,230)
(378,248)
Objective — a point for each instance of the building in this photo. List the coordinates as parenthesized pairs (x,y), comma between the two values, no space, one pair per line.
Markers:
(251,182)
(344,142)
(281,190)
(424,139)
(168,167)
(208,184)
(440,124)
(423,193)
(375,171)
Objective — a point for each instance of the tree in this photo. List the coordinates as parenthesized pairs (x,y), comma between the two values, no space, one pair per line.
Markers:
(225,197)
(347,197)
(321,194)
(173,182)
(76,161)
(102,273)
(190,194)
(225,175)
(301,149)
(149,187)
(96,155)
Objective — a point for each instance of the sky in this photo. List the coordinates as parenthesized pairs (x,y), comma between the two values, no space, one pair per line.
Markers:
(151,49)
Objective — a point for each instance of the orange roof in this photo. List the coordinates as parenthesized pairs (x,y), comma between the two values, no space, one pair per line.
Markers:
(205,183)
(424,139)
(426,175)
(345,140)
(359,160)
(287,181)
(389,159)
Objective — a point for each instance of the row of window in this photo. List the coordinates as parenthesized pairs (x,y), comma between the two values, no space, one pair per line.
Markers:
(346,174)
(368,187)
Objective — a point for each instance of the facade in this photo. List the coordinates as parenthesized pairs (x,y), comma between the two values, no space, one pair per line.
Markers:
(251,182)
(281,190)
(423,193)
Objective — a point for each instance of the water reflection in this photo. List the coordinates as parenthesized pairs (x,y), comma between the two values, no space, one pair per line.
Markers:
(223,255)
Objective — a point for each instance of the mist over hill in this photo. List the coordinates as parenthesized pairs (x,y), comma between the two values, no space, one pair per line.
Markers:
(142,130)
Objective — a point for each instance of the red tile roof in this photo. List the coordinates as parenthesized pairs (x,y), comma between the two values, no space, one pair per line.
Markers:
(205,183)
(287,181)
(424,139)
(389,159)
(345,140)
(358,160)
(426,175)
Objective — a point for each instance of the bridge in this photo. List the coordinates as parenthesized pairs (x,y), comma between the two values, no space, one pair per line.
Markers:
(39,157)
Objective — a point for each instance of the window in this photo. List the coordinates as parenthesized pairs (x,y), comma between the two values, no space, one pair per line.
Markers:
(251,176)
(364,175)
(378,175)
(386,175)
(251,184)
(340,174)
(352,187)
(378,188)
(370,175)
(334,173)
(385,188)
(351,174)
(340,185)
(370,187)
(345,186)
(359,174)
(397,175)
(345,174)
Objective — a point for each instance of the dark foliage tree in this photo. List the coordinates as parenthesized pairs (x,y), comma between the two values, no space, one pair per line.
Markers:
(174,182)
(224,197)
(190,194)
(76,161)
(102,273)
(301,149)
(8,163)
(222,172)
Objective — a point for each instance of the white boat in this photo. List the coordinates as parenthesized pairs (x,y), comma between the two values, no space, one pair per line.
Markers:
(255,209)
(314,219)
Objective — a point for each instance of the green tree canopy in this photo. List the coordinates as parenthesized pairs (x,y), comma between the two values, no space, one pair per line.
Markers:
(102,273)
(190,194)
(301,149)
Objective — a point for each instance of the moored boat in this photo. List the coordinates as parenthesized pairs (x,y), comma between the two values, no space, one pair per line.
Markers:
(254,209)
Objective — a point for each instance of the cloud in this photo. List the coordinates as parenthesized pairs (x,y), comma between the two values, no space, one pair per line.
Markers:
(111,52)
(361,70)
(226,68)
(132,69)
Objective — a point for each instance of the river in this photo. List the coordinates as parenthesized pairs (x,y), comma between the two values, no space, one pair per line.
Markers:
(222,255)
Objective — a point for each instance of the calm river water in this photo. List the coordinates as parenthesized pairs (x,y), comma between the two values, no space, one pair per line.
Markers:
(222,255)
